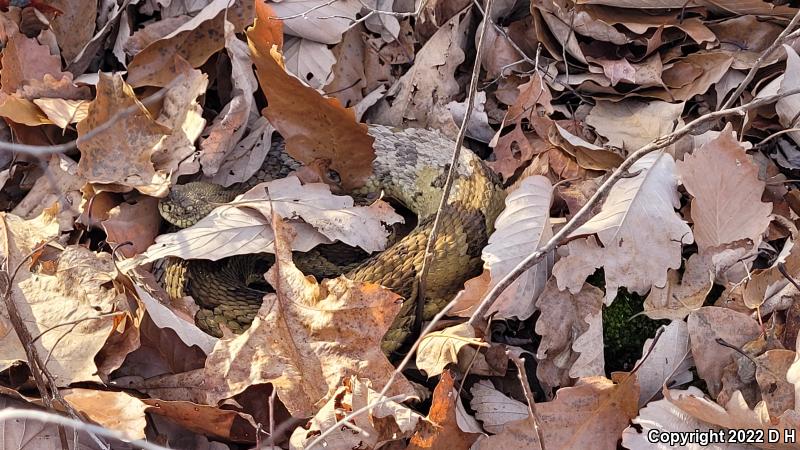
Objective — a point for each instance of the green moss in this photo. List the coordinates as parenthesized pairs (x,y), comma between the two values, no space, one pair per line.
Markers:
(624,334)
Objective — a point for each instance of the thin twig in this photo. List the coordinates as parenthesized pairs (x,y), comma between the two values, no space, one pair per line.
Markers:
(526,389)
(448,184)
(583,214)
(783,37)
(43,150)
(397,398)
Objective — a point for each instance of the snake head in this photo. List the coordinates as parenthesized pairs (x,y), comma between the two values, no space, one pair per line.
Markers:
(190,202)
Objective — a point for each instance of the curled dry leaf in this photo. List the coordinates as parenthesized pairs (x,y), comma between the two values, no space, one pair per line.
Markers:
(668,362)
(708,324)
(639,228)
(386,421)
(522,227)
(117,411)
(73,288)
(664,417)
(430,84)
(493,408)
(333,140)
(307,338)
(736,414)
(440,348)
(571,327)
(243,227)
(441,428)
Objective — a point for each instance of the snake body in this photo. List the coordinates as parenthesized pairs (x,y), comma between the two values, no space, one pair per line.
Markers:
(411,167)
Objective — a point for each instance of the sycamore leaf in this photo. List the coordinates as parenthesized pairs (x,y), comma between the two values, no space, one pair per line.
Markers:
(74,287)
(727,193)
(121,154)
(440,348)
(641,233)
(243,226)
(307,338)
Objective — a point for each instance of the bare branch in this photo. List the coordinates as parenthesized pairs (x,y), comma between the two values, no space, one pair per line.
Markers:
(583,214)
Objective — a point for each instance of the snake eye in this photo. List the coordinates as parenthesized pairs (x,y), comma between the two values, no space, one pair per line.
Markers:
(333,176)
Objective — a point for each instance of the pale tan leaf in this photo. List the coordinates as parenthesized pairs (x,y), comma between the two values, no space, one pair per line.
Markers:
(116,411)
(708,324)
(727,193)
(30,434)
(440,348)
(247,157)
(493,408)
(565,326)
(317,20)
(354,394)
(639,228)
(430,81)
(243,227)
(680,297)
(522,227)
(668,362)
(571,273)
(75,287)
(121,154)
(737,414)
(663,417)
(224,134)
(630,124)
(63,112)
(307,338)
(771,374)
(309,60)
(788,107)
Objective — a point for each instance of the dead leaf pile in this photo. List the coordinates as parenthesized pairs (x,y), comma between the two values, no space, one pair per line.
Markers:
(140,96)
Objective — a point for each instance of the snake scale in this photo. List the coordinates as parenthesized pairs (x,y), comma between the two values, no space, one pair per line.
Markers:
(411,167)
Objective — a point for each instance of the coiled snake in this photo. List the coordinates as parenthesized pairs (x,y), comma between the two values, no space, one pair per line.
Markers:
(411,167)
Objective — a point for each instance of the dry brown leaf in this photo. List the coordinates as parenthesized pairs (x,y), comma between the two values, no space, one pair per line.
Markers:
(493,408)
(668,362)
(26,59)
(438,349)
(664,417)
(522,227)
(77,290)
(692,75)
(571,327)
(316,336)
(194,41)
(28,434)
(515,149)
(641,233)
(372,430)
(681,296)
(591,414)
(771,375)
(727,203)
(121,155)
(63,112)
(630,124)
(223,136)
(788,107)
(708,324)
(317,20)
(333,140)
(243,227)
(440,430)
(43,194)
(136,222)
(116,411)
(736,414)
(430,83)
(770,284)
